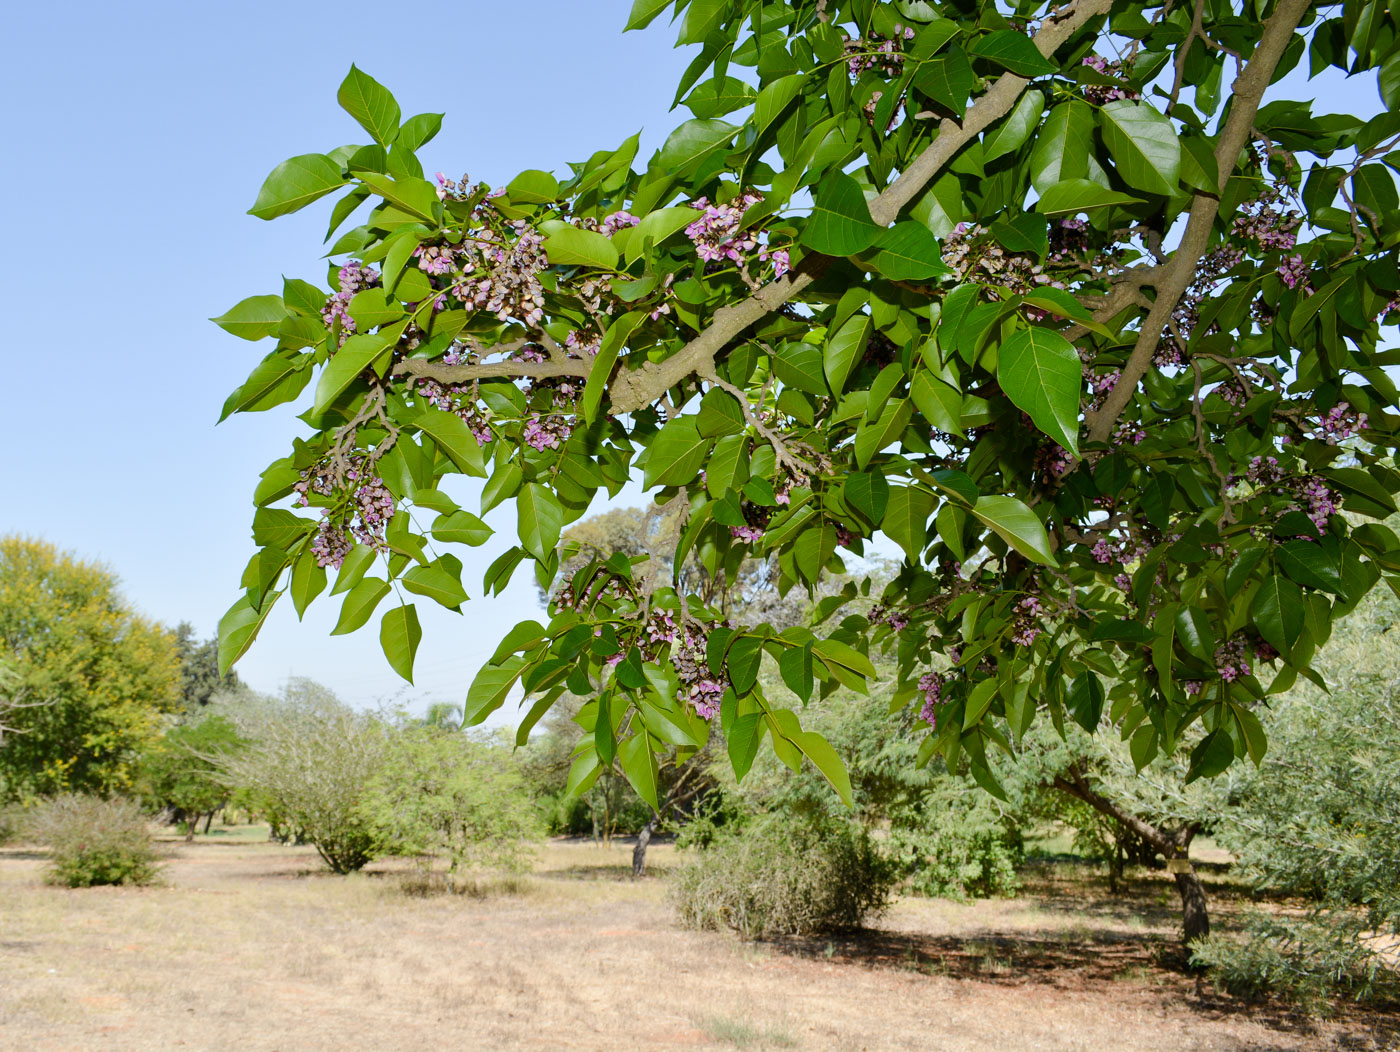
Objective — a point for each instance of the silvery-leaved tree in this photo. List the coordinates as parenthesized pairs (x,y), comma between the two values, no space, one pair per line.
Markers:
(1057,299)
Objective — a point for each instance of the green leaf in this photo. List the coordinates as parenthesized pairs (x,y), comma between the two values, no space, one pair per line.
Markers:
(274,380)
(1143,746)
(295,183)
(824,759)
(417,131)
(1144,146)
(359,604)
(639,767)
(349,363)
(743,660)
(399,635)
(655,227)
(606,358)
(908,251)
(1085,701)
(1079,195)
(846,656)
(1194,632)
(979,700)
(799,366)
(1211,756)
(939,402)
(1040,372)
(868,494)
(570,246)
(701,18)
(840,223)
(372,308)
(677,453)
(1061,150)
(795,666)
(533,187)
(436,582)
(1015,129)
(690,144)
(906,520)
(461,527)
(743,741)
(370,103)
(1017,525)
(844,349)
(643,11)
(308,581)
(253,318)
(415,196)
(239,627)
(1279,613)
(947,80)
(774,98)
(541,520)
(716,97)
(489,689)
(1014,51)
(453,437)
(352,570)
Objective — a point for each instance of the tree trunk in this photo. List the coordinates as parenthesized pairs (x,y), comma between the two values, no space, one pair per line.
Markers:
(191,827)
(1174,846)
(639,853)
(208,821)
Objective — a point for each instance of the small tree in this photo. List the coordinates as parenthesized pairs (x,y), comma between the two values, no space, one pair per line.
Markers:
(308,759)
(442,794)
(200,679)
(92,679)
(182,773)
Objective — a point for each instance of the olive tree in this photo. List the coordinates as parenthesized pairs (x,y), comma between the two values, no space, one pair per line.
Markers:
(1079,305)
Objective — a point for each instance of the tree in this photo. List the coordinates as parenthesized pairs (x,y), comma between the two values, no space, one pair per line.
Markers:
(440,793)
(95,677)
(200,679)
(181,773)
(1083,316)
(308,760)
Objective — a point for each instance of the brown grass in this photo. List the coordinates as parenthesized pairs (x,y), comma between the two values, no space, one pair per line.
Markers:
(251,946)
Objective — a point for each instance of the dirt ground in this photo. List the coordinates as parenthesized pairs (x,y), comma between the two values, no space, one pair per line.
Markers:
(252,946)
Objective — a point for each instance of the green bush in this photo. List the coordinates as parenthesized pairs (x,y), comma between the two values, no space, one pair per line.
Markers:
(93,841)
(439,794)
(774,877)
(956,853)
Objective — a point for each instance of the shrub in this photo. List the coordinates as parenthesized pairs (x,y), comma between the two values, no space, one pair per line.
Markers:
(957,853)
(93,841)
(308,759)
(775,877)
(440,794)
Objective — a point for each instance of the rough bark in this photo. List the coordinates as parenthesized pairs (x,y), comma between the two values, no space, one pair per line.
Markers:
(1174,844)
(639,852)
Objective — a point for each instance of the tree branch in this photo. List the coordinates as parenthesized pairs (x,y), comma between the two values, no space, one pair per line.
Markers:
(1249,90)
(631,391)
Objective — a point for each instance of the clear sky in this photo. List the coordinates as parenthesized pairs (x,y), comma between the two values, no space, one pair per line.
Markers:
(138,136)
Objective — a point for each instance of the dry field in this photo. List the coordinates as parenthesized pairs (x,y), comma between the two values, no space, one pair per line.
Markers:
(251,946)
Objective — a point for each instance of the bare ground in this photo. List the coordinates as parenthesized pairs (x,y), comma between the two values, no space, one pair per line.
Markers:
(251,946)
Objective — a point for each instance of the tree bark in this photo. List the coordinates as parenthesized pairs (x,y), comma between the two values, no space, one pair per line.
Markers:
(208,821)
(1174,845)
(639,853)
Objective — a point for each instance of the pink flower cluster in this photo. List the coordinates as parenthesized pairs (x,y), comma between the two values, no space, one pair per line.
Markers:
(456,398)
(353,277)
(1293,271)
(370,508)
(1340,423)
(1267,223)
(1028,624)
(1230,659)
(718,235)
(1321,501)
(747,534)
(877,52)
(698,686)
(931,686)
(1102,94)
(548,432)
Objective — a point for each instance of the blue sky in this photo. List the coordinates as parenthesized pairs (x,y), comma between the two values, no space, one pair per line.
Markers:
(139,135)
(128,176)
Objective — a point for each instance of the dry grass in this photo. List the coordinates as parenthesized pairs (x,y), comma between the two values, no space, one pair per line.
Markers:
(251,946)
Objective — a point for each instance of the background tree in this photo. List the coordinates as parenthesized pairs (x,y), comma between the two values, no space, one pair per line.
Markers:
(182,772)
(1083,316)
(200,679)
(104,674)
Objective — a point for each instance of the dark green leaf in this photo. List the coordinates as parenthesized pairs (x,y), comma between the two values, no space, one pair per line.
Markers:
(359,604)
(541,520)
(399,635)
(1143,144)
(1013,50)
(1017,525)
(1040,371)
(908,251)
(840,223)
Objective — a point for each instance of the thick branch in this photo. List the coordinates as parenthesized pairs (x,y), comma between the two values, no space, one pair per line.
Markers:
(1076,786)
(631,391)
(1176,277)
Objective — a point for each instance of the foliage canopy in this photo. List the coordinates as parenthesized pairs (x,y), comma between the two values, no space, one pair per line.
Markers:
(1077,305)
